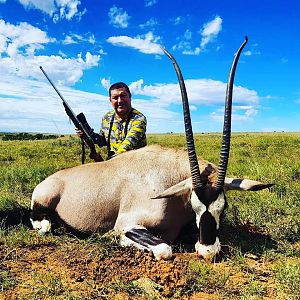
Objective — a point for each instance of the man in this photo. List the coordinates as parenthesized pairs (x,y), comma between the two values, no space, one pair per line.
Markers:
(122,129)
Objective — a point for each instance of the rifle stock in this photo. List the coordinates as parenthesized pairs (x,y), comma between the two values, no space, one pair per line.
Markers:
(86,137)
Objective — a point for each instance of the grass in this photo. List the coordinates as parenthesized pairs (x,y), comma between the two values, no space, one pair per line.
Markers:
(6,280)
(48,285)
(206,277)
(264,225)
(288,274)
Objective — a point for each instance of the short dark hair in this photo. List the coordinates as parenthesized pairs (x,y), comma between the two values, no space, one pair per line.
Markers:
(119,85)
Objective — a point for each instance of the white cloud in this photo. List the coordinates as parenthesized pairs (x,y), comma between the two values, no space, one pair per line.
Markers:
(200,92)
(62,54)
(66,71)
(149,23)
(105,82)
(178,20)
(69,40)
(238,115)
(92,39)
(58,9)
(252,52)
(188,34)
(150,3)
(34,106)
(46,6)
(248,53)
(136,87)
(91,60)
(21,38)
(68,8)
(145,44)
(18,44)
(118,17)
(196,51)
(210,31)
(30,105)
(185,44)
(77,38)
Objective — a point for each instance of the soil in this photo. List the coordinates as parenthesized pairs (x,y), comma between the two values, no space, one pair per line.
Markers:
(80,270)
(61,266)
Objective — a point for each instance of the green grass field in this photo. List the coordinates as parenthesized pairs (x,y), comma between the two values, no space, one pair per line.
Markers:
(260,232)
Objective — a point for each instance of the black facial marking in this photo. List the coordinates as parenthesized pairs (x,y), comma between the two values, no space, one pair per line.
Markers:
(40,212)
(143,237)
(207,195)
(207,229)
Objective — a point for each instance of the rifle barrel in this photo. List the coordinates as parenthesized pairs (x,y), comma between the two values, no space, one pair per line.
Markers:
(86,138)
(57,91)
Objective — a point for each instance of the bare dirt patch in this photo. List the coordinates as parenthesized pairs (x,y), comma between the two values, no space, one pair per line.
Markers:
(74,269)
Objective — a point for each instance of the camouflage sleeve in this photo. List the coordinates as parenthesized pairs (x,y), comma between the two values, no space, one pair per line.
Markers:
(136,136)
(104,129)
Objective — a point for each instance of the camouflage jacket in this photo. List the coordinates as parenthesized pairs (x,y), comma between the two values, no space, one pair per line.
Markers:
(124,135)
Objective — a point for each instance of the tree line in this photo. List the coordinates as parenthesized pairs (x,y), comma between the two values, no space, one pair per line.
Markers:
(27,136)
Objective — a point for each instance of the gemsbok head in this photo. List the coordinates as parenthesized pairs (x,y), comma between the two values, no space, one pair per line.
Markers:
(208,198)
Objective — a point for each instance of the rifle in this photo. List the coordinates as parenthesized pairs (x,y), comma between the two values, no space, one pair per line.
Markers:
(77,121)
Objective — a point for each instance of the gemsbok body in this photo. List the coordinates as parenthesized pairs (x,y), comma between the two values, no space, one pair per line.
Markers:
(147,195)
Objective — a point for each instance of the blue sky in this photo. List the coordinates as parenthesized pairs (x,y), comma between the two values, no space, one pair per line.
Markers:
(84,46)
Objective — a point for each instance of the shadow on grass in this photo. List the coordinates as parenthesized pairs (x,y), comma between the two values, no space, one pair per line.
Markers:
(244,237)
(15,216)
(19,215)
(247,238)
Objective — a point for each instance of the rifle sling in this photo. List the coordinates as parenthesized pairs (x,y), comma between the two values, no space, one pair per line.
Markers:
(83,152)
(109,152)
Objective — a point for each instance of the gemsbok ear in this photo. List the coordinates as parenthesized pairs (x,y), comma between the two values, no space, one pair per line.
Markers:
(244,184)
(179,189)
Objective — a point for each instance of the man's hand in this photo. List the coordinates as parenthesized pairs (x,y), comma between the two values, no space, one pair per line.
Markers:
(79,132)
(97,157)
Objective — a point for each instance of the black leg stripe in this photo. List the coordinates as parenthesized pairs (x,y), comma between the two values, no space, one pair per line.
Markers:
(143,237)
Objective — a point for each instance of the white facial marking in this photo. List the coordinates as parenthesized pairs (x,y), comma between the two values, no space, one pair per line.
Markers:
(36,224)
(208,252)
(45,227)
(217,207)
(198,207)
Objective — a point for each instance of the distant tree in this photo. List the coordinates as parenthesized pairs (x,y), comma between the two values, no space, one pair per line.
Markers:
(27,136)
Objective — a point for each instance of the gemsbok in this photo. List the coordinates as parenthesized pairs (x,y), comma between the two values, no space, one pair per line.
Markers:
(147,195)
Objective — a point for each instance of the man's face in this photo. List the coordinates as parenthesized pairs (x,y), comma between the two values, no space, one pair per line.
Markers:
(120,101)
